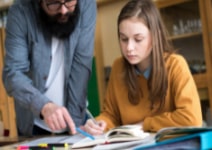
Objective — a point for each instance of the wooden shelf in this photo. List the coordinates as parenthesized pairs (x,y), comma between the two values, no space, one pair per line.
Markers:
(167,3)
(186,35)
(200,80)
(201,83)
(100,2)
(4,4)
(159,3)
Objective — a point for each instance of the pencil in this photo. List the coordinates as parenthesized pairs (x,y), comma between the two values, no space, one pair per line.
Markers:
(85,133)
(91,116)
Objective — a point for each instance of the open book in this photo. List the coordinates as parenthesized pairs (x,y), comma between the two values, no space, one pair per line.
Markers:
(181,137)
(119,134)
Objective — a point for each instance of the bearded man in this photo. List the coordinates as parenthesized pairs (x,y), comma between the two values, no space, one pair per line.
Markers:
(49,50)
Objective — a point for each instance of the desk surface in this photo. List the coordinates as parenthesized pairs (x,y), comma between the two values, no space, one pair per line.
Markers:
(184,142)
(12,143)
(8,143)
(8,140)
(65,139)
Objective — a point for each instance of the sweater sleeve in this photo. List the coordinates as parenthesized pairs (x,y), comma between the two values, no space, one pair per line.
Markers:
(182,94)
(110,113)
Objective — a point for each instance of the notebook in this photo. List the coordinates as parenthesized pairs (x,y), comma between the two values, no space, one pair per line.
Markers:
(123,133)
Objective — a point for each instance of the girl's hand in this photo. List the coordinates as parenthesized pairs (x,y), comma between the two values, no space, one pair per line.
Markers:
(94,128)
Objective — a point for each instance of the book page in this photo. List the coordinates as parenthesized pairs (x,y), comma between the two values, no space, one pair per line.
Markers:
(121,137)
(126,133)
(72,139)
(126,145)
(87,142)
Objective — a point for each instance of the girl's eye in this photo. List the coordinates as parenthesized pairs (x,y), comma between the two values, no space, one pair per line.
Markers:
(124,39)
(138,40)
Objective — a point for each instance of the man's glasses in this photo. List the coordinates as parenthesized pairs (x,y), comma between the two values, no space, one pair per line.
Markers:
(56,5)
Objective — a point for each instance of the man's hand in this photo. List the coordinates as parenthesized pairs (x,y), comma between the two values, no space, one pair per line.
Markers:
(57,117)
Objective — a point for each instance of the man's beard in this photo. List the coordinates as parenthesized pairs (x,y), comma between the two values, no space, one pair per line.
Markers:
(59,29)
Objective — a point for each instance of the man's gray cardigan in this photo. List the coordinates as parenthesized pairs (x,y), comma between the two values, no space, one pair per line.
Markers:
(28,59)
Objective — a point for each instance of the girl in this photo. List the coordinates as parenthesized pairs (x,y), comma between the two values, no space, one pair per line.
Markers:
(149,85)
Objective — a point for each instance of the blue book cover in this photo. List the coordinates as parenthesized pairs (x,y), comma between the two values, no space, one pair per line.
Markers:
(196,140)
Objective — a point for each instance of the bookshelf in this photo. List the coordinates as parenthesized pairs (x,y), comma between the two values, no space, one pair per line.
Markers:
(187,22)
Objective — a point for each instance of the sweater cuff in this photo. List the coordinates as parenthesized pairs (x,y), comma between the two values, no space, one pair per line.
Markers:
(147,124)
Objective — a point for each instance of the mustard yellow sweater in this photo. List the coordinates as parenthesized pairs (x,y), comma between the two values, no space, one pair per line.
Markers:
(182,103)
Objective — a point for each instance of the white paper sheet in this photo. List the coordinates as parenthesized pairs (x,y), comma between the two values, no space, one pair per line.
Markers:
(54,139)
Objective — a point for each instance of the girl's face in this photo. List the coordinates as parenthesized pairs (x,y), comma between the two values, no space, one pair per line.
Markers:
(135,42)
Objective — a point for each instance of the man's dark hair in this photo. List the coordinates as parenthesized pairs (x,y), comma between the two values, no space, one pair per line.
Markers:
(55,28)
